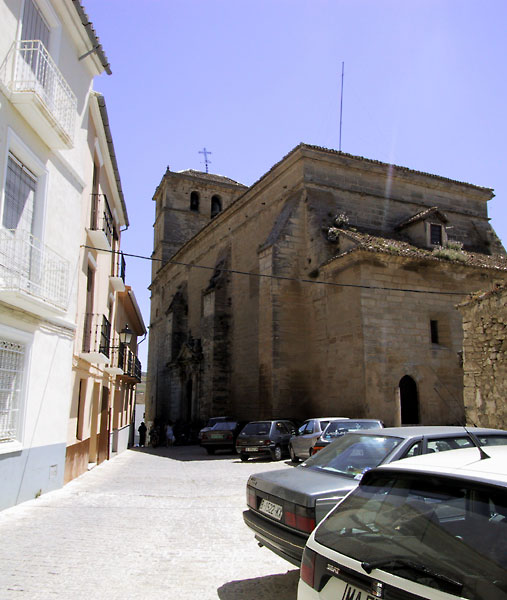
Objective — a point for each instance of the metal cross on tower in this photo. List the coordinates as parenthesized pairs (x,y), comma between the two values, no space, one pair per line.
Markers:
(206,159)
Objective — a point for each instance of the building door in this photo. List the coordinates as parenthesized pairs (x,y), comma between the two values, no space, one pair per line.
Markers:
(409,401)
(103,453)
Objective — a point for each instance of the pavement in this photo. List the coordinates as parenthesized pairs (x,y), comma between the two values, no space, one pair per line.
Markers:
(150,523)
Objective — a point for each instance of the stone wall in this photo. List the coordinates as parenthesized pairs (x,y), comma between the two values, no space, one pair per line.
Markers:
(485,358)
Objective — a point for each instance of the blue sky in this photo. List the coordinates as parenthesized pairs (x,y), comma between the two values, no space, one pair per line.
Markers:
(425,87)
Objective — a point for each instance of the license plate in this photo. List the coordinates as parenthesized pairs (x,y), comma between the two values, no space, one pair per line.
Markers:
(251,449)
(352,593)
(217,436)
(271,509)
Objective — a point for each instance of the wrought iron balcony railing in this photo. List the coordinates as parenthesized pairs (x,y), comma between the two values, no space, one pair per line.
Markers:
(101,222)
(120,266)
(28,70)
(117,277)
(96,336)
(129,363)
(30,270)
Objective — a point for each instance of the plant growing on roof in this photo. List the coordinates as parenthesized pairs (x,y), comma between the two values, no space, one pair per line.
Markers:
(341,220)
(333,234)
(449,253)
(454,245)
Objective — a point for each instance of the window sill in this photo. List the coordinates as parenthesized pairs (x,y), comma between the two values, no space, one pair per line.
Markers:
(8,447)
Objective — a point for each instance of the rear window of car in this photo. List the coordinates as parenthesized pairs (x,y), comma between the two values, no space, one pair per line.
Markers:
(442,532)
(493,440)
(259,428)
(225,426)
(353,454)
(336,428)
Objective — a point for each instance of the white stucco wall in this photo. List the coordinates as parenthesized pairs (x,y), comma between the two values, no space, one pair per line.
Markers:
(34,463)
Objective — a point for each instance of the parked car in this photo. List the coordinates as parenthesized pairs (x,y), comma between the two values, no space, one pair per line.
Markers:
(285,505)
(432,526)
(212,422)
(336,429)
(265,438)
(222,436)
(301,444)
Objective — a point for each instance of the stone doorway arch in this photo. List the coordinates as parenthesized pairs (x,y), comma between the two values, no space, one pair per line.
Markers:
(409,401)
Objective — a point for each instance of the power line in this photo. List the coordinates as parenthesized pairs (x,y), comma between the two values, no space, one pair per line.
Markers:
(282,277)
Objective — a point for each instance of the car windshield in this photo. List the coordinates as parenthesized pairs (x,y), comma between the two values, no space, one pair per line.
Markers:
(224,426)
(258,428)
(440,532)
(337,428)
(353,454)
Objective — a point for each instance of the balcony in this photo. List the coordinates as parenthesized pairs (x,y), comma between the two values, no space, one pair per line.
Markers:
(101,229)
(34,84)
(117,279)
(125,362)
(32,276)
(115,366)
(96,336)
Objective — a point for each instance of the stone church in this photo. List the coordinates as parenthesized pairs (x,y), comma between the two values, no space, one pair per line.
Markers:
(328,287)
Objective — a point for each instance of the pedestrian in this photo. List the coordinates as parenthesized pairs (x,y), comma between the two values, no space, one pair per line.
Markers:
(169,434)
(142,434)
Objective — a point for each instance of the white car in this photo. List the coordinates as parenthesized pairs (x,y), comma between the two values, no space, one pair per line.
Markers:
(429,527)
(301,444)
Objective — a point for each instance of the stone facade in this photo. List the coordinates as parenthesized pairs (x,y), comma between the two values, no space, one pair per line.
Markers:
(485,358)
(327,287)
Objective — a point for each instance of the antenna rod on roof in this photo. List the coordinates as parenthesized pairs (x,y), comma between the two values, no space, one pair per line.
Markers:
(341,107)
(476,442)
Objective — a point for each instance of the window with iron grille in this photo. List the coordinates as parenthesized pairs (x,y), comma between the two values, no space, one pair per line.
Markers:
(12,360)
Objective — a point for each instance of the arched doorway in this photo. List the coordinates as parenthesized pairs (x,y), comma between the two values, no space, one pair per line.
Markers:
(409,401)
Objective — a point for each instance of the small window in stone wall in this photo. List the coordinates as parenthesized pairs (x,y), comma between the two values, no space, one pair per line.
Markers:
(434,332)
(435,234)
(216,206)
(194,201)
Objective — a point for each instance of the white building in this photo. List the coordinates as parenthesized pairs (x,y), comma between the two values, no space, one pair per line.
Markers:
(51,131)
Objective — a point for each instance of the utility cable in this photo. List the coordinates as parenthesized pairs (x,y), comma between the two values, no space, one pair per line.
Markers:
(282,277)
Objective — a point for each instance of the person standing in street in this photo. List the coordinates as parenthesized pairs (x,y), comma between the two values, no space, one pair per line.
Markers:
(142,434)
(169,434)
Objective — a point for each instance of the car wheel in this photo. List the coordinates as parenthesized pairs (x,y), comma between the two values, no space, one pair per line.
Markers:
(276,453)
(243,457)
(293,456)
(210,450)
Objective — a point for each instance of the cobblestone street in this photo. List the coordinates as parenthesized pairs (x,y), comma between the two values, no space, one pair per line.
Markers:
(164,523)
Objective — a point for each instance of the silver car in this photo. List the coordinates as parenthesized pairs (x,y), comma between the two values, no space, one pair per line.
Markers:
(301,444)
(285,505)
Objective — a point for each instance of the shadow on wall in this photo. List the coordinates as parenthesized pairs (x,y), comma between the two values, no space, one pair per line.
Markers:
(271,587)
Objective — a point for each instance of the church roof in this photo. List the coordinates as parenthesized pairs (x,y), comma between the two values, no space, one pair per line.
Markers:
(396,168)
(209,177)
(373,243)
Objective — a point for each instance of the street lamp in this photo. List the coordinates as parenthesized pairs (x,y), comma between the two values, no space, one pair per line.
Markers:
(126,335)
